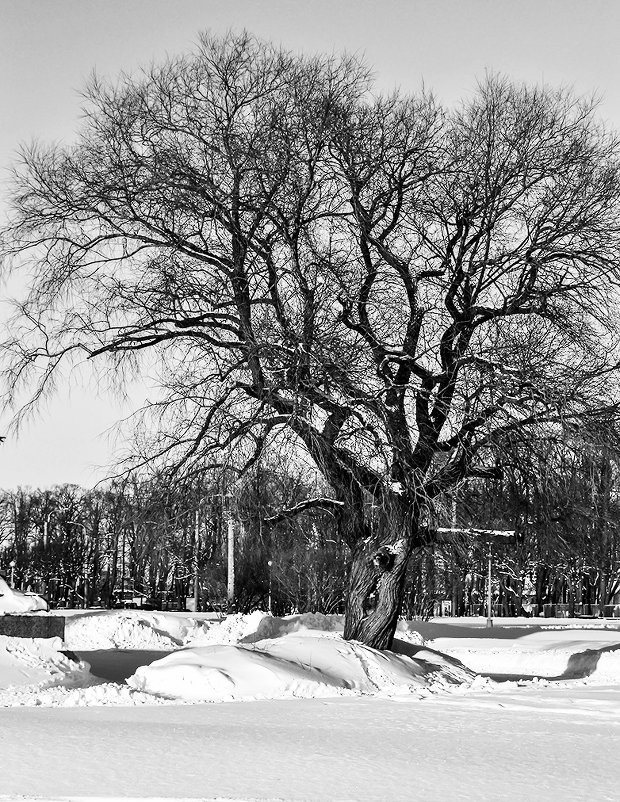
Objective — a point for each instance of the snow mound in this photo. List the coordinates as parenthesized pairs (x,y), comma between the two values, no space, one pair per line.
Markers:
(117,630)
(28,663)
(296,666)
(607,668)
(405,631)
(137,629)
(231,629)
(15,601)
(274,627)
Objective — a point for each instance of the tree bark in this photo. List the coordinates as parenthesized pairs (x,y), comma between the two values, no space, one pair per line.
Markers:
(376,584)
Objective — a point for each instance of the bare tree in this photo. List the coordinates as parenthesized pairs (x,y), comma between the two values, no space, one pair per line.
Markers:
(369,276)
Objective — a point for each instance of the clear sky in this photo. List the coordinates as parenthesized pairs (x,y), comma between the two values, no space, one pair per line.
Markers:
(49,47)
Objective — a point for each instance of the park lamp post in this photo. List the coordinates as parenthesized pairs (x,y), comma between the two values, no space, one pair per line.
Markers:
(12,565)
(445,534)
(270,564)
(498,533)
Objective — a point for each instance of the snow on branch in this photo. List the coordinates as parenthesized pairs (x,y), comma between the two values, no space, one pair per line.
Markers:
(445,532)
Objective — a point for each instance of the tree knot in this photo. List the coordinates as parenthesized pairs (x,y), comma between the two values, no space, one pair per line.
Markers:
(383,558)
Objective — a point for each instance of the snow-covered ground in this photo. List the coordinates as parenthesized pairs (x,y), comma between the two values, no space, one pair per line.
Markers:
(123,708)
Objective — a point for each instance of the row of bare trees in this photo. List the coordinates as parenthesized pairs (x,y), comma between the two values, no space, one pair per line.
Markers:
(559,498)
(398,291)
(133,538)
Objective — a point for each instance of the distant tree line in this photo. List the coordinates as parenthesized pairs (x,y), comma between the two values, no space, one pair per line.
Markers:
(148,541)
(559,495)
(141,538)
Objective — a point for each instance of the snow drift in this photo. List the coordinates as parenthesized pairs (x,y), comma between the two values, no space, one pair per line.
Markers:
(29,665)
(141,629)
(564,653)
(138,629)
(293,666)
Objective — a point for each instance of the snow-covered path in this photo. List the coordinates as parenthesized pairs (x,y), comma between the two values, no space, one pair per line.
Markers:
(549,743)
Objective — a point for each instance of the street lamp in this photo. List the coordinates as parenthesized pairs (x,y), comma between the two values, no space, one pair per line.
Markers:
(269,563)
(12,565)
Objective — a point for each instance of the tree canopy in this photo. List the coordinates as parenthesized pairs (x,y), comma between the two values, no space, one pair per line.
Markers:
(396,288)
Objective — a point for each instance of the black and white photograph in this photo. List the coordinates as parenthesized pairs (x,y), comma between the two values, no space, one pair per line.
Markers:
(309,400)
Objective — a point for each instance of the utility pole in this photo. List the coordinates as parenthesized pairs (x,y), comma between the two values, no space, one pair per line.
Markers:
(231,557)
(455,577)
(46,570)
(489,591)
(84,563)
(196,552)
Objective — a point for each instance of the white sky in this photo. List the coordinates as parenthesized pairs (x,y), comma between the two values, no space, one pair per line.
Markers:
(49,47)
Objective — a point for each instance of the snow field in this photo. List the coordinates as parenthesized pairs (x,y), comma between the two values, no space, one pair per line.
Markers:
(415,724)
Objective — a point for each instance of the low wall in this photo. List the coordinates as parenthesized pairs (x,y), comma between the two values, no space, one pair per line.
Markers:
(32,626)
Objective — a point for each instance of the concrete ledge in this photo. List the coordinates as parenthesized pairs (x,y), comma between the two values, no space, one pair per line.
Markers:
(32,626)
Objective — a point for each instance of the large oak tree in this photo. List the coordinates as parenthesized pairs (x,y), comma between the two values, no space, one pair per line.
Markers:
(394,287)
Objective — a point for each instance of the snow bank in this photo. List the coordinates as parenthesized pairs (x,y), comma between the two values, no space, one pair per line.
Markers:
(405,631)
(558,653)
(137,629)
(115,630)
(294,666)
(131,629)
(231,629)
(607,665)
(36,664)
(273,627)
(257,656)
(36,672)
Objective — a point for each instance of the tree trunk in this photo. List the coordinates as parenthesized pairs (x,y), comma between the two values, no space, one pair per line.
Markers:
(375,591)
